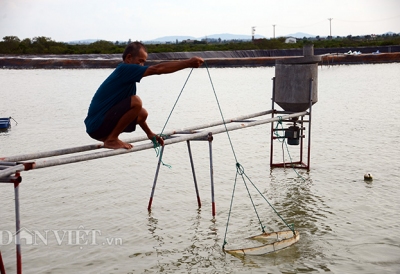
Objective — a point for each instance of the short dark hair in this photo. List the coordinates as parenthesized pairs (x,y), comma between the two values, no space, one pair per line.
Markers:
(133,48)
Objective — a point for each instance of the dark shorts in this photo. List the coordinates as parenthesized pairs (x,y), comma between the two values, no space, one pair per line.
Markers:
(111,119)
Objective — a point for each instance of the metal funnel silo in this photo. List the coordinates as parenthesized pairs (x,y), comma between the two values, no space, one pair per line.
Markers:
(292,81)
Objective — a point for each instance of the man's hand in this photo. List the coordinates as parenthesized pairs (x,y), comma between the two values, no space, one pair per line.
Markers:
(160,140)
(196,62)
(156,139)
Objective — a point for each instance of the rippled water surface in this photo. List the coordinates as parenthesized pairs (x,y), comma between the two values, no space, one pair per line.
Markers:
(347,225)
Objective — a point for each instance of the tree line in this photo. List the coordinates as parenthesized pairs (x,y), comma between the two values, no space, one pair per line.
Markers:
(45,45)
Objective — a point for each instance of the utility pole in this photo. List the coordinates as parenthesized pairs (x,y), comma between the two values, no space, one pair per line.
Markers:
(274,30)
(330,27)
(253,30)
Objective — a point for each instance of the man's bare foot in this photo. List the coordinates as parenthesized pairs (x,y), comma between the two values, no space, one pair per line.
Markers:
(116,143)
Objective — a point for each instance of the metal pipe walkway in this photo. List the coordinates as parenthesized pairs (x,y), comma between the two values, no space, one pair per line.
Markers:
(13,164)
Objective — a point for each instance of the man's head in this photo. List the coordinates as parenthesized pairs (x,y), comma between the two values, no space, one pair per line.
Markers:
(135,53)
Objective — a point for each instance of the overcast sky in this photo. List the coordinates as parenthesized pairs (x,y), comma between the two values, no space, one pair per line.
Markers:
(112,20)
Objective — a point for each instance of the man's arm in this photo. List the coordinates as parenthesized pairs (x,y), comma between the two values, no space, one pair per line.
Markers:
(173,66)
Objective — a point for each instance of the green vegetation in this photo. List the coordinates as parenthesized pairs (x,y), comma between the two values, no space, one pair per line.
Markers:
(45,45)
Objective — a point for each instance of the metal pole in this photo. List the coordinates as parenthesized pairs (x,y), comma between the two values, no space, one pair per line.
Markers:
(301,140)
(330,27)
(309,126)
(194,174)
(17,227)
(210,139)
(274,30)
(2,269)
(155,180)
(272,123)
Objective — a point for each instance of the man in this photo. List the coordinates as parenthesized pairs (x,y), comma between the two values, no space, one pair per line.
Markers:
(115,107)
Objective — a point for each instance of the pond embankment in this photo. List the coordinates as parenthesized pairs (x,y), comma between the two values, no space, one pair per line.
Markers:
(243,58)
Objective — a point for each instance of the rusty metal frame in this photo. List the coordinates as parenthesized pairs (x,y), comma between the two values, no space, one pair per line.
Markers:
(304,159)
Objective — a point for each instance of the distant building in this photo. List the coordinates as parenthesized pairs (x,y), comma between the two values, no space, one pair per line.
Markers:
(211,40)
(189,41)
(290,40)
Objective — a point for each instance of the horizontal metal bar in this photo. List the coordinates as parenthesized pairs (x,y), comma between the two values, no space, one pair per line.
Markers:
(186,132)
(203,138)
(283,129)
(243,121)
(11,179)
(65,151)
(7,163)
(286,112)
(11,170)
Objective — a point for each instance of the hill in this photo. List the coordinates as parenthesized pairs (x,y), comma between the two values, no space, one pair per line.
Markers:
(222,36)
(299,35)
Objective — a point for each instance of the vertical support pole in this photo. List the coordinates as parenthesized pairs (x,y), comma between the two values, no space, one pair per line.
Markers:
(194,174)
(301,139)
(2,269)
(155,179)
(309,126)
(17,226)
(210,139)
(272,123)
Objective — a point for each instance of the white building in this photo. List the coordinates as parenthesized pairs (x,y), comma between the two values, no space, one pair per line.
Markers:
(290,40)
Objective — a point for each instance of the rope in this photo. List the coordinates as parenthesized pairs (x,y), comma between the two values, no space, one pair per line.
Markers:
(156,145)
(240,171)
(220,111)
(177,99)
(16,123)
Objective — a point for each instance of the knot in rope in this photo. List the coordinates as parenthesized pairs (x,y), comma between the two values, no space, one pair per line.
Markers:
(223,246)
(156,147)
(291,227)
(240,169)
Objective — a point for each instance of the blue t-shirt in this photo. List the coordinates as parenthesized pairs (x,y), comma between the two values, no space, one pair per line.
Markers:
(119,85)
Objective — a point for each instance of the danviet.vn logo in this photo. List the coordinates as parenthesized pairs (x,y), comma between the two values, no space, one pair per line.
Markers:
(72,237)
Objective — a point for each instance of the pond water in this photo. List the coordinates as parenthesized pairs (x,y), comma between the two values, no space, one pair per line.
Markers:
(346,224)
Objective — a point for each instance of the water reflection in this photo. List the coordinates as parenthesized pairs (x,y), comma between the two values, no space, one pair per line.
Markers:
(293,198)
(201,251)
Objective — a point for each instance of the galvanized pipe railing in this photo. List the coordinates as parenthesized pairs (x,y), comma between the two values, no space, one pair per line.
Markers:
(71,150)
(41,163)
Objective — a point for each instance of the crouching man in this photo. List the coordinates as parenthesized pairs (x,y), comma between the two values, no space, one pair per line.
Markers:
(115,107)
